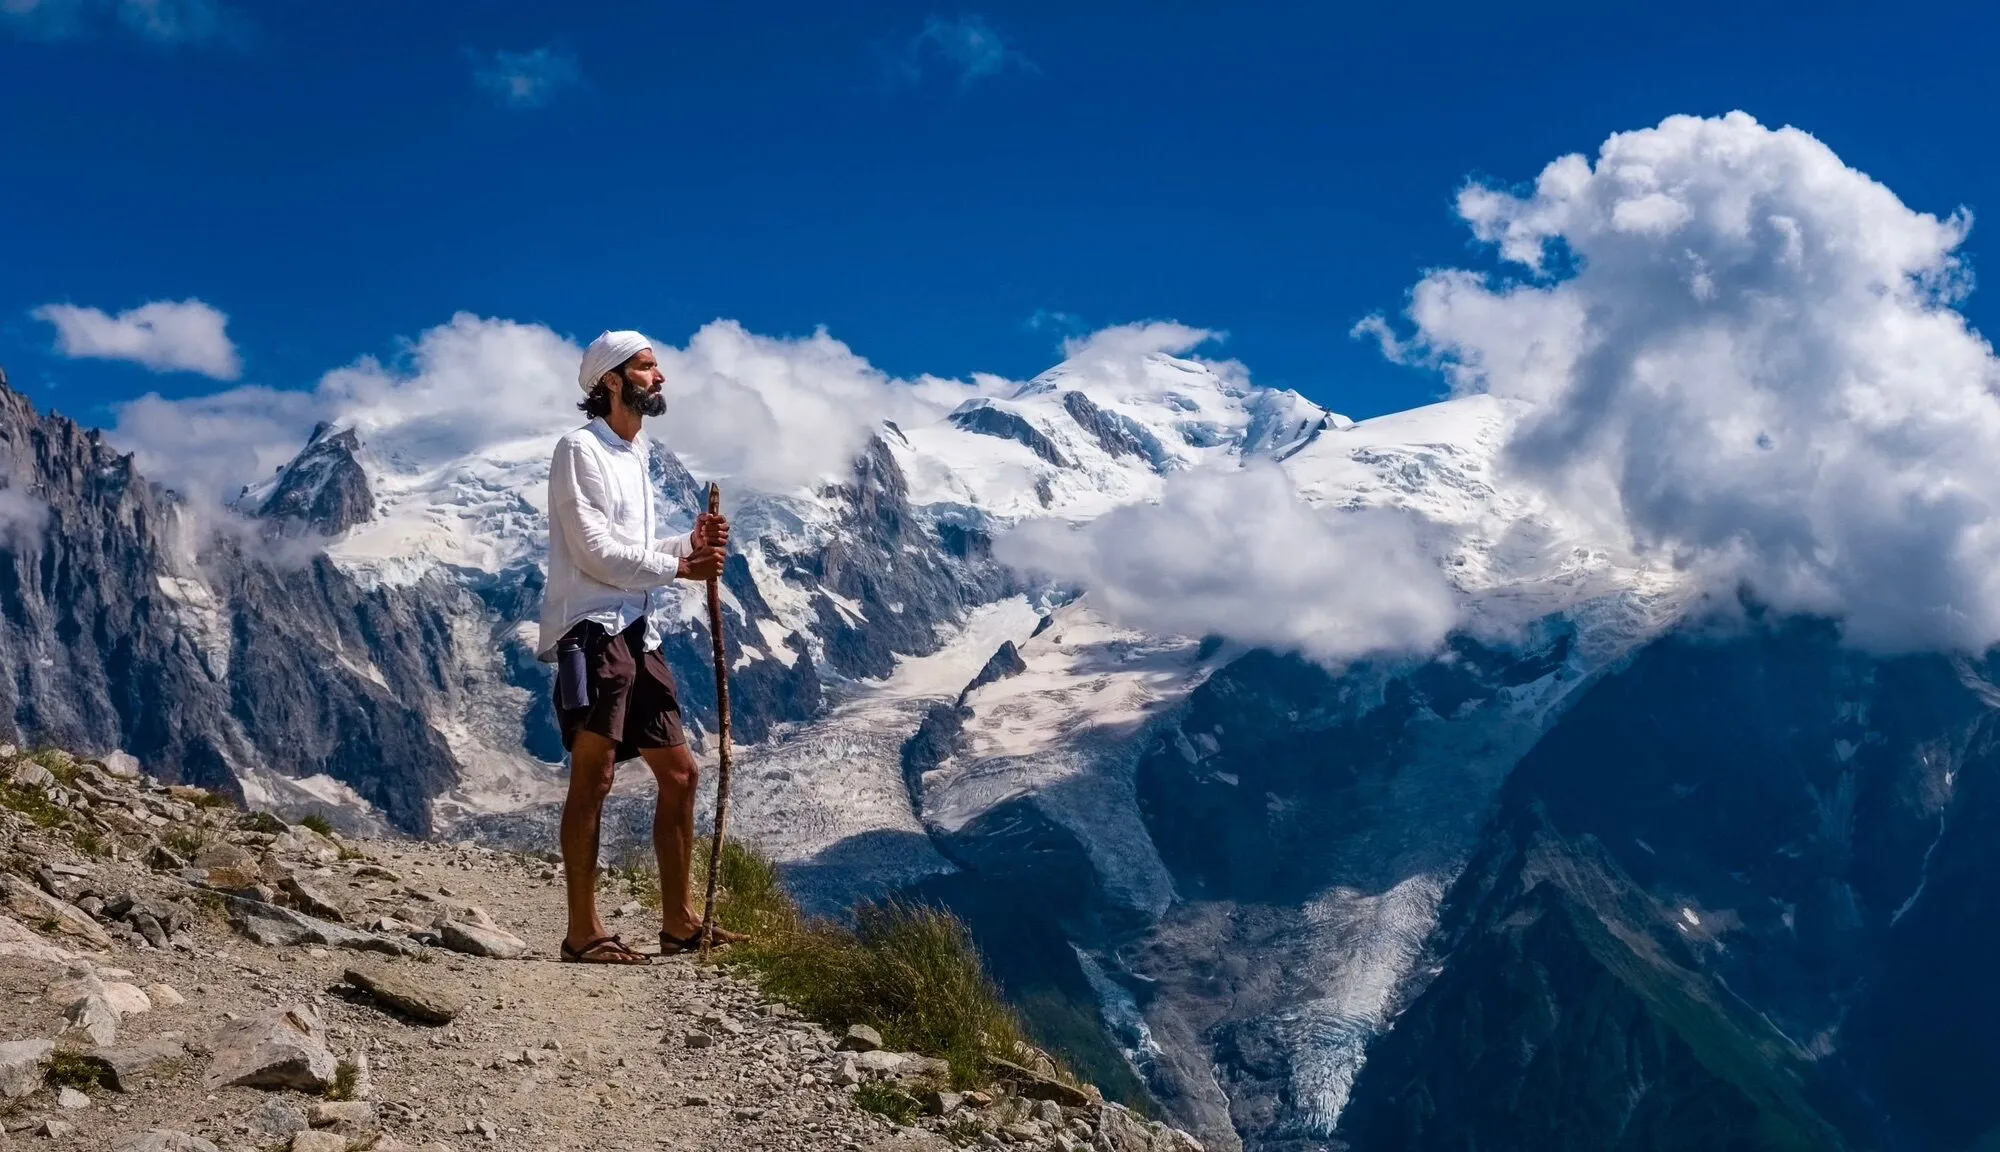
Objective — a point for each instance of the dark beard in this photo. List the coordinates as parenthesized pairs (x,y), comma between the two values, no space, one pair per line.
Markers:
(641,401)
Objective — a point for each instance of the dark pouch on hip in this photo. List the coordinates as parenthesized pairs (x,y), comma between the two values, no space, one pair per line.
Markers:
(572,675)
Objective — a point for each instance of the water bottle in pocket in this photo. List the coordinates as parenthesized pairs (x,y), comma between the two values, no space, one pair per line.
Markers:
(572,675)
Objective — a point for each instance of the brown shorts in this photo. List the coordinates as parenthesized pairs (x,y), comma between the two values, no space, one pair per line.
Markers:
(633,700)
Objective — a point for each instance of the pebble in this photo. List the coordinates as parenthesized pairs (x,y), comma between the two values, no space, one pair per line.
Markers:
(71,1100)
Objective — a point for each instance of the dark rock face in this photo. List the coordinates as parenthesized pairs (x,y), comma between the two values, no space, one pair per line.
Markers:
(1275,785)
(893,562)
(1743,879)
(1926,1032)
(134,627)
(981,417)
(323,489)
(1005,662)
(100,660)
(314,712)
(1572,1018)
(939,737)
(1121,436)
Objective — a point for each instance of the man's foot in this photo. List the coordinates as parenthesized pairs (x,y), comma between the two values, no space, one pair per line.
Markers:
(671,944)
(603,950)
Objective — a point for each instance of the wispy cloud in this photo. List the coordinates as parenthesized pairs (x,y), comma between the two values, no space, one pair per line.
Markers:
(160,21)
(165,335)
(1239,554)
(966,47)
(1046,319)
(525,79)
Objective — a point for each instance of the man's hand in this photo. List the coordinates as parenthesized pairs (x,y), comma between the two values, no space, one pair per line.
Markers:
(702,564)
(711,530)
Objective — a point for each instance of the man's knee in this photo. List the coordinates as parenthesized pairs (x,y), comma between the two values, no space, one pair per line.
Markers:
(675,768)
(590,781)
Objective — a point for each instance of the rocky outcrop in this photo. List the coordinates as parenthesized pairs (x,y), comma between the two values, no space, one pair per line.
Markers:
(983,417)
(1005,662)
(323,490)
(1119,435)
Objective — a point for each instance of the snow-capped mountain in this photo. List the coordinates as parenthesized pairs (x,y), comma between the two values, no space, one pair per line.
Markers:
(1234,859)
(868,606)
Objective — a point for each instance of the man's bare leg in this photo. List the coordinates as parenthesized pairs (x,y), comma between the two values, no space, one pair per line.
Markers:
(673,835)
(592,766)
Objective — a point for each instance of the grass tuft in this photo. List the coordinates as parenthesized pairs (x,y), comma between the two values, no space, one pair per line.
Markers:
(888,1101)
(962,1130)
(185,841)
(317,823)
(74,1070)
(344,1075)
(60,764)
(35,805)
(910,971)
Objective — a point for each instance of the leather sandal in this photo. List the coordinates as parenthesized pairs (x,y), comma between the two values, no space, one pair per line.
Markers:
(671,944)
(603,950)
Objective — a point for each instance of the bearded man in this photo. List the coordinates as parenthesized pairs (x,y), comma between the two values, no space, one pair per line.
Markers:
(609,601)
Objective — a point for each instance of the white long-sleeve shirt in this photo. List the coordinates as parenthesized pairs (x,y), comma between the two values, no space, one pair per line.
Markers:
(604,564)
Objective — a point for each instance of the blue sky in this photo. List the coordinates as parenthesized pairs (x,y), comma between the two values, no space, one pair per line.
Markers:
(947,190)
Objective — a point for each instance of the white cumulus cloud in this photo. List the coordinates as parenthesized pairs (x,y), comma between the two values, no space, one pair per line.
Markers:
(1744,355)
(166,336)
(781,413)
(776,414)
(1239,554)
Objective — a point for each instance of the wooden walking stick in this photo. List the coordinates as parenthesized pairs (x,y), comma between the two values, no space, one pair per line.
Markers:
(722,734)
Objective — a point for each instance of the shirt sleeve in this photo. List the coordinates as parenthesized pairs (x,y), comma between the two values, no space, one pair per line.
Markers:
(677,546)
(576,499)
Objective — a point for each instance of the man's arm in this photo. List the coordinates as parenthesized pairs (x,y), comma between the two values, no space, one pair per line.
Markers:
(576,500)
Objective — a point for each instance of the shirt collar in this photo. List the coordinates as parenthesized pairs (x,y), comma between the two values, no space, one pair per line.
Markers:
(602,429)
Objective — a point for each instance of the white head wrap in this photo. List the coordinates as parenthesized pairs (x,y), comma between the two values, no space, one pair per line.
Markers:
(606,352)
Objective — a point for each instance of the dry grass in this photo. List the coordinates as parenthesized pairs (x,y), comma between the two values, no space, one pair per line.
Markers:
(910,971)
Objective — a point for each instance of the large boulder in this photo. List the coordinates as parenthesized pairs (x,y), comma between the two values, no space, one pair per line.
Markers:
(474,940)
(279,1048)
(1119,1129)
(36,907)
(94,1016)
(18,942)
(125,1068)
(22,1064)
(276,927)
(420,997)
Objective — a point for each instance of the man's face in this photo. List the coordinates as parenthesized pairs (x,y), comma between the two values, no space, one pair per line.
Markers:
(641,381)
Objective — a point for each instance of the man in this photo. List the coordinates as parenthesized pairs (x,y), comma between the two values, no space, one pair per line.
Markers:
(610,595)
